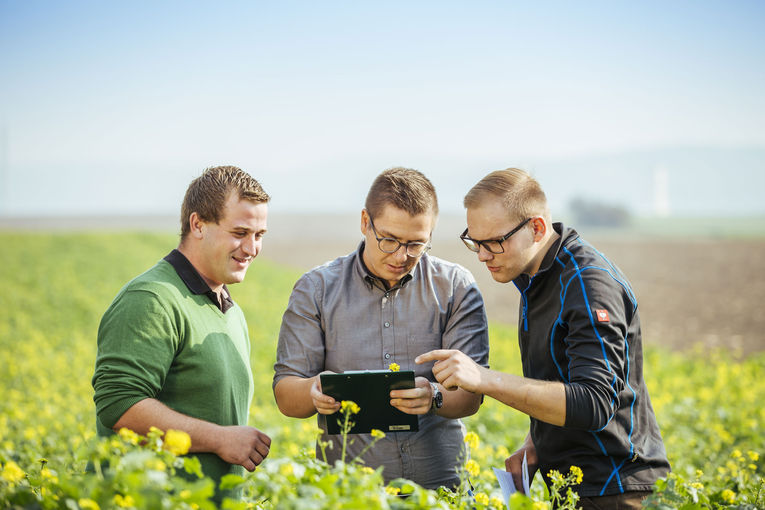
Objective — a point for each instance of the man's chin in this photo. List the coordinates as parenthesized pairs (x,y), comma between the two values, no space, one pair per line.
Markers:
(237,277)
(500,277)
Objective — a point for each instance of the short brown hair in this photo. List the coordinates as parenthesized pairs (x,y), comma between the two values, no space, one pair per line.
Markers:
(404,188)
(520,193)
(207,194)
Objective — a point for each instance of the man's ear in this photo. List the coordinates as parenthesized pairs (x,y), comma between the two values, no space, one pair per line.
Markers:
(196,226)
(364,222)
(539,228)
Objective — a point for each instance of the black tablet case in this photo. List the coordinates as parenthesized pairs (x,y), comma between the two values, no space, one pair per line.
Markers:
(371,392)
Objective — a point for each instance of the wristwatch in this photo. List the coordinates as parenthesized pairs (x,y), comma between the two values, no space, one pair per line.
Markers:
(438,398)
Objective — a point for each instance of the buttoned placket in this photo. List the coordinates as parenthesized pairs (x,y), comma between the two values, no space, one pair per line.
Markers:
(387,328)
(389,356)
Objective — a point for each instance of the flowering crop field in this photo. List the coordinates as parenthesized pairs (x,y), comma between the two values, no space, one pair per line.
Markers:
(56,286)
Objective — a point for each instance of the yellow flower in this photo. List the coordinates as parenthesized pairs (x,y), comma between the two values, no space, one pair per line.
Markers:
(156,465)
(495,502)
(128,435)
(482,498)
(124,501)
(472,440)
(394,367)
(88,504)
(393,491)
(699,473)
(577,472)
(753,455)
(697,485)
(377,434)
(367,470)
(540,505)
(472,467)
(47,474)
(287,469)
(177,442)
(12,472)
(728,496)
(349,406)
(736,453)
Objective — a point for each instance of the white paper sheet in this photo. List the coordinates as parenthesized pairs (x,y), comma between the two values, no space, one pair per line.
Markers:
(506,483)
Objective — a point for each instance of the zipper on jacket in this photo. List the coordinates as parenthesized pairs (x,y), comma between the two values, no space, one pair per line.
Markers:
(525,308)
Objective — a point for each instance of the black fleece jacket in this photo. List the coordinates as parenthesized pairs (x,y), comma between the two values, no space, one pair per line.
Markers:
(579,325)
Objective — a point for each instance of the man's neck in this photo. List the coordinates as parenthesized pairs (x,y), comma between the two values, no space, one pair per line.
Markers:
(544,247)
(189,254)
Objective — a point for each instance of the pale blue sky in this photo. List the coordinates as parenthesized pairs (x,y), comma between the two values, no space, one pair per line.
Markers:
(110,107)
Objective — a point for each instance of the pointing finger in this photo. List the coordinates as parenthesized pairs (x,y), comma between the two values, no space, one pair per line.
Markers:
(437,354)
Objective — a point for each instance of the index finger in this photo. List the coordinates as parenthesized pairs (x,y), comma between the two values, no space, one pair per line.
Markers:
(437,354)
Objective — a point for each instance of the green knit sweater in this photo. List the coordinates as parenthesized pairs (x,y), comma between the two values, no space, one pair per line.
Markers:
(160,340)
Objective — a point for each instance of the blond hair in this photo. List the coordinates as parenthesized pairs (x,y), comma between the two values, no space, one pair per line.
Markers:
(519,192)
(404,188)
(207,194)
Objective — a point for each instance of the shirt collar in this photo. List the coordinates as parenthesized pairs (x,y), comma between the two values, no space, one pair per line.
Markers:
(373,280)
(195,282)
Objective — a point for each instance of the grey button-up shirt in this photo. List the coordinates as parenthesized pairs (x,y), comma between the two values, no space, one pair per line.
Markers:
(340,317)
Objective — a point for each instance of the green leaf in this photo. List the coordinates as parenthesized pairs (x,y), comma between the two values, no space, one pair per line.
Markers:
(231,481)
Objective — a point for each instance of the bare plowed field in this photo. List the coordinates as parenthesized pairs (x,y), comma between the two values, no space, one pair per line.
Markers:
(690,292)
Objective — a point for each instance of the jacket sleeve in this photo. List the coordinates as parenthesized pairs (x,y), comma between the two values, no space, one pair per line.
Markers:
(597,311)
(137,341)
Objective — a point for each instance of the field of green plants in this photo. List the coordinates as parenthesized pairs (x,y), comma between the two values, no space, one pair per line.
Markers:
(56,286)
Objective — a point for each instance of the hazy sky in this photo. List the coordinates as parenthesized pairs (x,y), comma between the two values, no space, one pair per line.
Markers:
(112,107)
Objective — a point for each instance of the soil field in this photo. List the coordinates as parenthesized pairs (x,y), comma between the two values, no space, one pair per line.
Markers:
(691,292)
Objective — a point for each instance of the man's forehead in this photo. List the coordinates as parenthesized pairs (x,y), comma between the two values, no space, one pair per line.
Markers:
(488,221)
(394,221)
(245,214)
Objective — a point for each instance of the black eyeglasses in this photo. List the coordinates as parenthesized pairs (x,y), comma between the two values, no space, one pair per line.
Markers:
(491,245)
(390,245)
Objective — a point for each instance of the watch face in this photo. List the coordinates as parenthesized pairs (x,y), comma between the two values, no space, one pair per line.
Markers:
(438,398)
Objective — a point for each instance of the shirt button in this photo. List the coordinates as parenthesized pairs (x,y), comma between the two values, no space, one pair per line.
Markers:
(387,355)
(387,324)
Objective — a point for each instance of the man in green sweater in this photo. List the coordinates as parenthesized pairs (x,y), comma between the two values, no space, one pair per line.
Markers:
(173,348)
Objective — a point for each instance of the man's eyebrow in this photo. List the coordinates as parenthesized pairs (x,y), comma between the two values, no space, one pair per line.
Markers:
(383,233)
(248,229)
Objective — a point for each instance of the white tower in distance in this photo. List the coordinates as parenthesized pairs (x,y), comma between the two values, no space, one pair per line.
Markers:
(661,207)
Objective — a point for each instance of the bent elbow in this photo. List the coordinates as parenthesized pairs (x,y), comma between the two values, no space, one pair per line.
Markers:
(589,408)
(289,405)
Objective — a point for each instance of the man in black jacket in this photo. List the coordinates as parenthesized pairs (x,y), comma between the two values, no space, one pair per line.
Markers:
(581,348)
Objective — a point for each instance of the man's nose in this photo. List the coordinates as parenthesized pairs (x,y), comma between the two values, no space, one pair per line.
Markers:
(251,245)
(400,254)
(484,255)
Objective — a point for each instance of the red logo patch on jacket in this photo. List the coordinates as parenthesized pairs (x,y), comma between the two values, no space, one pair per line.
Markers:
(602,315)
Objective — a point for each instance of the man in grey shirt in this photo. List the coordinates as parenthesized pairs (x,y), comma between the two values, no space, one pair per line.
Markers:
(387,302)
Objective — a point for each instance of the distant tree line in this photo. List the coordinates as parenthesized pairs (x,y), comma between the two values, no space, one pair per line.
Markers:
(598,214)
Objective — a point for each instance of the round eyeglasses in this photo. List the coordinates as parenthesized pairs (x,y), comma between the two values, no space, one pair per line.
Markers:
(390,245)
(491,245)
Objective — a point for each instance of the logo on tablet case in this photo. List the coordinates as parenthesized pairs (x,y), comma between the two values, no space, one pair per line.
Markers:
(602,315)
(399,427)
